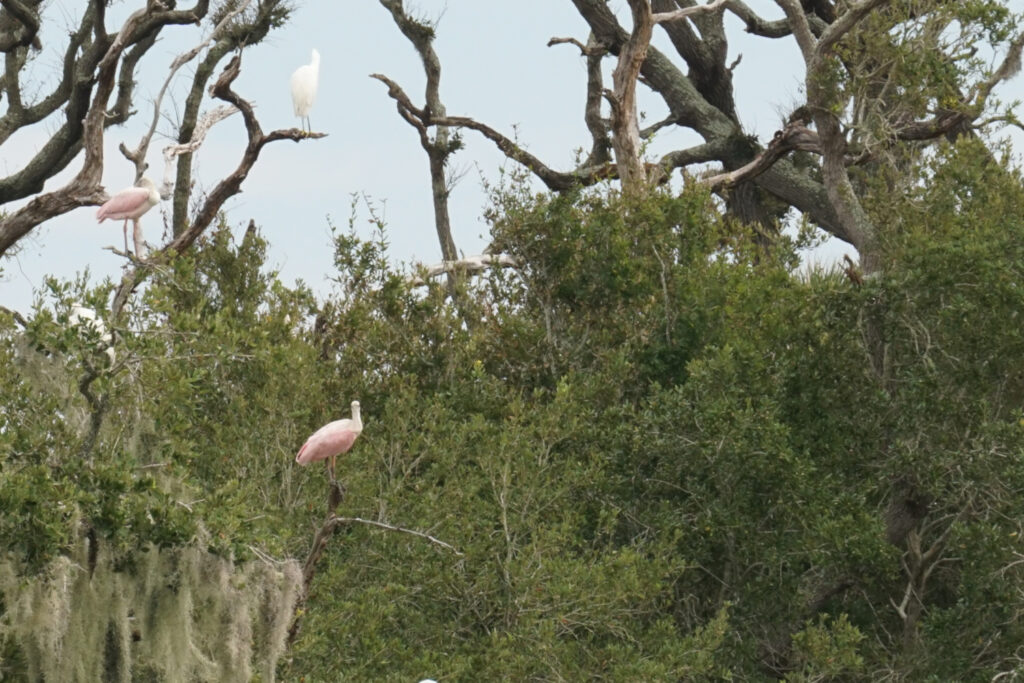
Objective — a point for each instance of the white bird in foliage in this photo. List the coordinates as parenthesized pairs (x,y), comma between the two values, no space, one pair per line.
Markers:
(304,85)
(130,204)
(85,318)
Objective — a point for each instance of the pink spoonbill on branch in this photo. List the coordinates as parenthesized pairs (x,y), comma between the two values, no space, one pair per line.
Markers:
(130,204)
(331,440)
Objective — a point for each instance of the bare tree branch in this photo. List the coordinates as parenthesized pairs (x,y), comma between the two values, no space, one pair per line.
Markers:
(702,43)
(845,23)
(555,180)
(794,186)
(206,122)
(801,29)
(27,15)
(842,196)
(17,114)
(698,154)
(468,265)
(600,149)
(234,36)
(597,125)
(391,527)
(794,136)
(421,35)
(84,188)
(757,25)
(649,131)
(590,50)
(87,46)
(676,15)
(138,155)
(625,127)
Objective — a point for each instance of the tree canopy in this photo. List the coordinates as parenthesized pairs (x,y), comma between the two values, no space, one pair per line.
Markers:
(651,446)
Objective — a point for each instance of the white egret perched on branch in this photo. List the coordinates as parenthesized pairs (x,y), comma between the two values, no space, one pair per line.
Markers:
(130,204)
(304,84)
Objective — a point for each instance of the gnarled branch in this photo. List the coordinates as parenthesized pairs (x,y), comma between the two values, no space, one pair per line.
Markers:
(555,180)
(137,34)
(138,155)
(421,35)
(794,136)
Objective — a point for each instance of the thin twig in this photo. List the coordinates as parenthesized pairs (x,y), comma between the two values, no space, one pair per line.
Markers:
(392,527)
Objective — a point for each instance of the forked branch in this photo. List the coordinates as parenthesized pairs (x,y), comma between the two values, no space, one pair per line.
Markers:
(555,180)
(88,94)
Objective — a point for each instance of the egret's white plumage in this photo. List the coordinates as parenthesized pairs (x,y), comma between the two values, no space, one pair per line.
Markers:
(130,204)
(85,318)
(304,85)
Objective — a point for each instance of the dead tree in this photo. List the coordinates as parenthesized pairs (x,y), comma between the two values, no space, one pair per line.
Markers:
(92,61)
(852,116)
(442,144)
(97,64)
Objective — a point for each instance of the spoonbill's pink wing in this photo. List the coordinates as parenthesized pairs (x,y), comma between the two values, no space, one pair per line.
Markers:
(333,438)
(130,203)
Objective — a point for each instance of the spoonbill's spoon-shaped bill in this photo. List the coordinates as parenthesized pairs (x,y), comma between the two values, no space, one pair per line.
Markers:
(130,204)
(304,84)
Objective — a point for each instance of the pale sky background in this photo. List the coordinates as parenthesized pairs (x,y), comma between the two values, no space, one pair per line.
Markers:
(496,68)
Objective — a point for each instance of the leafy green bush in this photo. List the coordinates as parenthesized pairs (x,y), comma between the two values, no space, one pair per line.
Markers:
(661,452)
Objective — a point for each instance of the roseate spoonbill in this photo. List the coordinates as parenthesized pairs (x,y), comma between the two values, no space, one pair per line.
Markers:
(130,204)
(331,440)
(304,83)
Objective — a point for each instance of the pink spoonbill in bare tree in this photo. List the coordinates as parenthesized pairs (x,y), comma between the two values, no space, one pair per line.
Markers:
(130,204)
(331,440)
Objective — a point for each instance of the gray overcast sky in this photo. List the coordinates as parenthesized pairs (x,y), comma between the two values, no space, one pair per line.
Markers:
(495,68)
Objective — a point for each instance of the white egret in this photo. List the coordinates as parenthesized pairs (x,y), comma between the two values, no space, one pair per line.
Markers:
(304,84)
(85,318)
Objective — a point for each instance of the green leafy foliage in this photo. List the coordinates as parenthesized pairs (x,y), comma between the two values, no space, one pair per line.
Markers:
(661,452)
